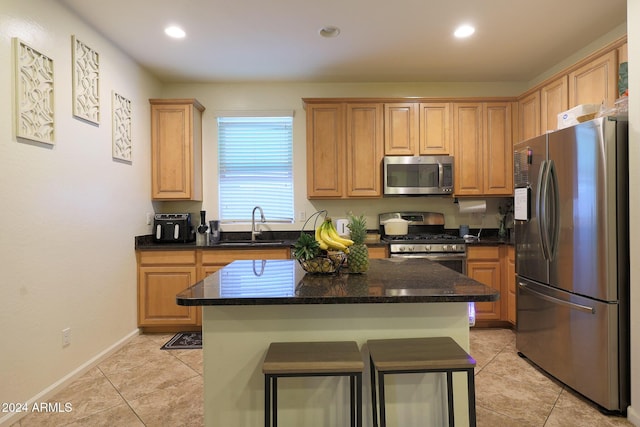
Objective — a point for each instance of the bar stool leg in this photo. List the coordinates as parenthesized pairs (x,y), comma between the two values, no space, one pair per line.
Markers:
(359,398)
(275,402)
(383,411)
(374,400)
(450,398)
(471,390)
(352,399)
(267,400)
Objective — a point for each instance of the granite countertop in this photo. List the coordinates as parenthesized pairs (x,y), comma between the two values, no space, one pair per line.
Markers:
(390,280)
(233,240)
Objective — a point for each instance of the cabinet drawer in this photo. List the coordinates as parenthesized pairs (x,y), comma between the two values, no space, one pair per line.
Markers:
(483,252)
(167,257)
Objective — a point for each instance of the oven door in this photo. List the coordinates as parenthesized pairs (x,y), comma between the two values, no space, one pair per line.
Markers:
(454,261)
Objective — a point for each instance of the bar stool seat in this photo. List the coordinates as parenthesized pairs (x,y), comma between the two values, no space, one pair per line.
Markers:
(419,355)
(307,359)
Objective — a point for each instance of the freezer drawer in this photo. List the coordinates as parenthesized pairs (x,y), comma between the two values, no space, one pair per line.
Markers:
(574,339)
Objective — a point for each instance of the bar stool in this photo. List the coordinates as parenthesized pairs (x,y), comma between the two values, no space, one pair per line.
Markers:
(420,355)
(308,359)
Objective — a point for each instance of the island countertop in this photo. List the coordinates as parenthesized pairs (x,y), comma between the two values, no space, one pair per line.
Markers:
(389,280)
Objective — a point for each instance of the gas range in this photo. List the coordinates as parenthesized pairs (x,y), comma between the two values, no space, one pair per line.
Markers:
(426,236)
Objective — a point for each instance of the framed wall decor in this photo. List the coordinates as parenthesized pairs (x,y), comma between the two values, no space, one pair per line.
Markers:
(86,82)
(34,94)
(121,128)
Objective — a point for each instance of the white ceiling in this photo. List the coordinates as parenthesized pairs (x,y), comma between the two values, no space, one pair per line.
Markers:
(380,40)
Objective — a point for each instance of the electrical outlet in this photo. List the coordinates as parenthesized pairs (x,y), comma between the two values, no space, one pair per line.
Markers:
(149,218)
(302,216)
(66,337)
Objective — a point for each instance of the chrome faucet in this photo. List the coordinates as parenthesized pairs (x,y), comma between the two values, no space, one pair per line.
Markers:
(255,232)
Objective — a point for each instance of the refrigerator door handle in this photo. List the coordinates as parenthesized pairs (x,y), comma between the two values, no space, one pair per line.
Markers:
(552,210)
(541,209)
(571,305)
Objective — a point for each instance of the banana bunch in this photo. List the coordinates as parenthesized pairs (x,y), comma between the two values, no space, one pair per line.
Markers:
(328,238)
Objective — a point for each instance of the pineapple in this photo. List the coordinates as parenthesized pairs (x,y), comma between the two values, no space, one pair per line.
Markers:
(306,248)
(358,253)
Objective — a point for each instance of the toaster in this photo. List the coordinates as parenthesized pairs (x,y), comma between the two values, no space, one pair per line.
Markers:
(176,228)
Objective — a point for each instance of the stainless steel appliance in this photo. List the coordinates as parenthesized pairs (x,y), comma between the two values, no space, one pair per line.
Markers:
(173,228)
(426,239)
(572,257)
(418,175)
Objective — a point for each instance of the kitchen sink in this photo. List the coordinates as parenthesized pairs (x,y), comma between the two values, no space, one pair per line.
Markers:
(251,242)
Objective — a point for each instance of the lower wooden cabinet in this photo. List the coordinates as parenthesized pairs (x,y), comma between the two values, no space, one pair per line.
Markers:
(495,267)
(163,274)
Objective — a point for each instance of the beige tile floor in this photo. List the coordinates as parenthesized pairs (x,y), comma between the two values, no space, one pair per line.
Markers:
(141,385)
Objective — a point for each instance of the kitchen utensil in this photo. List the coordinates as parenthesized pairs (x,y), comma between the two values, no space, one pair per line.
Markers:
(396,226)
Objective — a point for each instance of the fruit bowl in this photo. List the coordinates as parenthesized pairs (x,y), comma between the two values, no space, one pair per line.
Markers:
(324,264)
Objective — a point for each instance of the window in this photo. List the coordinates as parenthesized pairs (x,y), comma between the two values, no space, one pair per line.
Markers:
(255,167)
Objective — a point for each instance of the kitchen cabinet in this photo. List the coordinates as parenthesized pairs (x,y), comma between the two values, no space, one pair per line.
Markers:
(494,265)
(176,149)
(378,252)
(554,99)
(595,82)
(529,116)
(435,128)
(344,150)
(413,129)
(401,129)
(162,275)
(483,265)
(483,149)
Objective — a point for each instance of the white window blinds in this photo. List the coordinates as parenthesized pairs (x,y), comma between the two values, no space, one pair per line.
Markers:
(255,167)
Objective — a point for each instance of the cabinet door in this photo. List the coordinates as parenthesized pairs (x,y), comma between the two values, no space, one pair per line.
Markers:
(400,129)
(435,128)
(364,150)
(554,99)
(157,289)
(467,135)
(529,116)
(325,150)
(595,82)
(488,273)
(498,149)
(176,149)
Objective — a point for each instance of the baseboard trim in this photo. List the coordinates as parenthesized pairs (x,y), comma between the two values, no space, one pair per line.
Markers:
(50,391)
(633,416)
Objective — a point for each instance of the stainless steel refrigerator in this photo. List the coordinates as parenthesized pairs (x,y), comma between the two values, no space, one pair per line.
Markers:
(572,257)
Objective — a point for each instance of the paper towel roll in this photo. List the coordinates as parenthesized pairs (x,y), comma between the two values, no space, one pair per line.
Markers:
(472,206)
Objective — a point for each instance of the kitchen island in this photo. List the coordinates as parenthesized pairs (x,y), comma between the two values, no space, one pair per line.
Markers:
(249,304)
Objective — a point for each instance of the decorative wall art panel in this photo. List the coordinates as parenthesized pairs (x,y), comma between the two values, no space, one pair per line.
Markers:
(86,82)
(34,94)
(121,112)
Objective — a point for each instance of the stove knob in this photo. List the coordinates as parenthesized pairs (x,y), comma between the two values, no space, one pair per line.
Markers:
(447,248)
(427,248)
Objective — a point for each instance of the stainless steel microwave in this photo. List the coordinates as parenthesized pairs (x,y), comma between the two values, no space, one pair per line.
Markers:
(418,175)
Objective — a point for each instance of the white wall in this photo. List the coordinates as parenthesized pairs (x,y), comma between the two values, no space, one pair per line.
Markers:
(69,212)
(633,39)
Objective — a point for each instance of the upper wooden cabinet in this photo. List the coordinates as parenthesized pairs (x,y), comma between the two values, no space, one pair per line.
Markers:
(435,128)
(344,150)
(554,99)
(176,149)
(529,116)
(401,129)
(483,150)
(595,82)
(412,128)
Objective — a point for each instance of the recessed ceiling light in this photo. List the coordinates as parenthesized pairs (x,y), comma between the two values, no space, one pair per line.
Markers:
(329,31)
(175,32)
(464,31)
